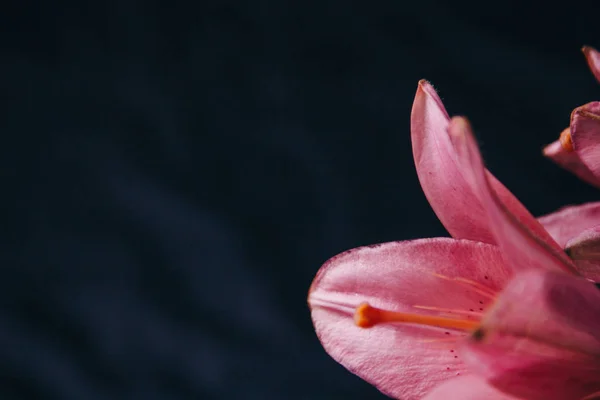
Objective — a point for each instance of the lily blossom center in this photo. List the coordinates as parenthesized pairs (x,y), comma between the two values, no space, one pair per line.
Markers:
(367,316)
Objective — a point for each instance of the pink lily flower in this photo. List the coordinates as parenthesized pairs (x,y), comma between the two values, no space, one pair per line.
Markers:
(578,150)
(429,317)
(459,204)
(552,354)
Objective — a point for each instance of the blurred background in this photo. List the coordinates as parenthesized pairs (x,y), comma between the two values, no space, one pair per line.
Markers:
(175,173)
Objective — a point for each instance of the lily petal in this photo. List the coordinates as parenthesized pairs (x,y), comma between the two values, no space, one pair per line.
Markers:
(585,246)
(532,370)
(568,222)
(442,180)
(569,160)
(579,145)
(467,388)
(549,307)
(403,360)
(593,59)
(585,135)
(541,339)
(569,226)
(578,149)
(447,181)
(584,249)
(524,241)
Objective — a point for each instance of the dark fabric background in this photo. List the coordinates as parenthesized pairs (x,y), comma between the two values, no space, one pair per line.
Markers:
(174,174)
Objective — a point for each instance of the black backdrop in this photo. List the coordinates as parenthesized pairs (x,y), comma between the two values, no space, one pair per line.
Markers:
(176,173)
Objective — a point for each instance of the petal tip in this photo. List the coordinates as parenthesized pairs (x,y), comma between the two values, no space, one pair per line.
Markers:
(593,59)
(425,87)
(551,149)
(588,49)
(460,127)
(427,95)
(460,122)
(424,82)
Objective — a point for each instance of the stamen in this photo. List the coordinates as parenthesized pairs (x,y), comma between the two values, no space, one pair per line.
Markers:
(366,316)
(565,140)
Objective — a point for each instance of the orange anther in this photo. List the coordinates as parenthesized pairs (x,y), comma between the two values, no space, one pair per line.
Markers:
(565,140)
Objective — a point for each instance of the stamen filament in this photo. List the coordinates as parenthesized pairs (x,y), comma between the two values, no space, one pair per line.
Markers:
(366,316)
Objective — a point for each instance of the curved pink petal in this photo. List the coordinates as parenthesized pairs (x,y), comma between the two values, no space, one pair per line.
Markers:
(578,148)
(449,194)
(541,338)
(585,135)
(568,222)
(584,249)
(589,269)
(593,59)
(403,360)
(446,180)
(570,161)
(467,388)
(532,370)
(585,246)
(524,242)
(549,307)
